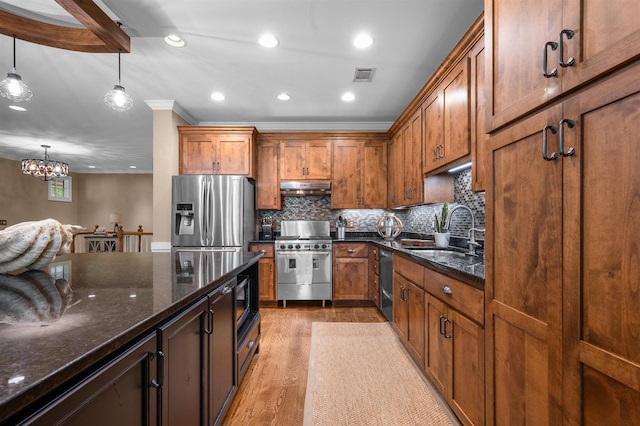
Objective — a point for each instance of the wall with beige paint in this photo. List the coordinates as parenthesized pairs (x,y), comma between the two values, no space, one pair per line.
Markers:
(24,198)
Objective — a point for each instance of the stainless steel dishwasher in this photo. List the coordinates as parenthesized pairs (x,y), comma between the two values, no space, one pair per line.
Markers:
(386,283)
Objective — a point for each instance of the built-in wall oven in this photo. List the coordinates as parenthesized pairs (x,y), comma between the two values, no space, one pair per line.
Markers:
(303,261)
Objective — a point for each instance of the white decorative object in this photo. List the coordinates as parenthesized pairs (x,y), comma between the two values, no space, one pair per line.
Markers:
(389,226)
(33,245)
(442,239)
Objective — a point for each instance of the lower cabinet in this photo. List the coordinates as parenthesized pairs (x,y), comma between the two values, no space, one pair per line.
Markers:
(199,358)
(374,275)
(408,315)
(267,271)
(351,265)
(117,394)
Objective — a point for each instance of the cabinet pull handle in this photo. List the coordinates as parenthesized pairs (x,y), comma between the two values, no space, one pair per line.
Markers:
(446,334)
(571,61)
(554,72)
(441,328)
(271,267)
(209,328)
(544,143)
(275,201)
(447,290)
(158,381)
(251,344)
(351,250)
(435,152)
(570,123)
(227,289)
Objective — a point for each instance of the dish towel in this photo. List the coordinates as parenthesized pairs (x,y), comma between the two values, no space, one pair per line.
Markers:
(304,266)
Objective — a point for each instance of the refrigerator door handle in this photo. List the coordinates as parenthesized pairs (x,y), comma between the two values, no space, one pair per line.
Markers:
(204,217)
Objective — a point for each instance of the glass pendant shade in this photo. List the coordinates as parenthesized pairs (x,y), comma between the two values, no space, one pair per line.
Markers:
(12,87)
(117,98)
(45,168)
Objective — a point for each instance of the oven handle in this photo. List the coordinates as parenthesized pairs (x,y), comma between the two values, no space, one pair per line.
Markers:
(314,253)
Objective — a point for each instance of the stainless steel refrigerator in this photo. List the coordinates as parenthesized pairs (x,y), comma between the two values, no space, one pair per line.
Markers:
(212,211)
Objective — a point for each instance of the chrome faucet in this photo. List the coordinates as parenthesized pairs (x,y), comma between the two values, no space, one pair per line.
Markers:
(472,244)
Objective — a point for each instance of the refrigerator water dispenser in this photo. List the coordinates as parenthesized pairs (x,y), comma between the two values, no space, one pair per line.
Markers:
(184,219)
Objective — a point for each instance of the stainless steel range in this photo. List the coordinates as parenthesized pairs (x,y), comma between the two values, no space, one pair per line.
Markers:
(303,261)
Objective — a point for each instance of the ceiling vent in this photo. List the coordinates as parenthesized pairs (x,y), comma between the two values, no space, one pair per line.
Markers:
(363,75)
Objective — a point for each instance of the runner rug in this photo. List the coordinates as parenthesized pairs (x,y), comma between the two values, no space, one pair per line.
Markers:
(359,374)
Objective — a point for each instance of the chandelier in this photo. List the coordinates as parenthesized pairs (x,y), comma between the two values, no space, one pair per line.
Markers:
(45,168)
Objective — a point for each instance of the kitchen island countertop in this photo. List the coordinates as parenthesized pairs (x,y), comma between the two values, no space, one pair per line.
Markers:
(116,299)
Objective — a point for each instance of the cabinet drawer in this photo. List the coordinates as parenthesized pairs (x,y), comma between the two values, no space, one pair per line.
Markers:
(408,269)
(351,250)
(267,247)
(466,299)
(247,347)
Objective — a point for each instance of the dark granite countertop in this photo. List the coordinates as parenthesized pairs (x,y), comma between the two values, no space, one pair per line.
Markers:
(115,299)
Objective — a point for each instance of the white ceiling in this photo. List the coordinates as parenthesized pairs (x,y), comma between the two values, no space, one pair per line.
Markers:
(314,63)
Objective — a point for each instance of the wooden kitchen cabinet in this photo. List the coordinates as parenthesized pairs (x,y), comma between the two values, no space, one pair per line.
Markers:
(351,265)
(267,272)
(480,148)
(305,159)
(408,306)
(359,174)
(395,172)
(267,181)
(447,119)
(412,149)
(214,150)
(517,47)
(121,392)
(454,354)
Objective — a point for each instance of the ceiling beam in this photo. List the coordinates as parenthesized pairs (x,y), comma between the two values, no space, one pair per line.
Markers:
(100,35)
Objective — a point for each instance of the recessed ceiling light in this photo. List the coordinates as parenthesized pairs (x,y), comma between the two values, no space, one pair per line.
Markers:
(175,40)
(17,108)
(91,167)
(348,97)
(217,96)
(362,41)
(284,97)
(133,167)
(268,40)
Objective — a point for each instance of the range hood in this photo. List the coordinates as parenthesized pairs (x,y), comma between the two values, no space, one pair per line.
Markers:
(294,188)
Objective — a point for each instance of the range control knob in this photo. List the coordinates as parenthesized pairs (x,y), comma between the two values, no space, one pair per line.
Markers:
(282,246)
(290,246)
(324,246)
(297,246)
(316,246)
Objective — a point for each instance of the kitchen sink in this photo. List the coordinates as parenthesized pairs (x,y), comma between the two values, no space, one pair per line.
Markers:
(446,256)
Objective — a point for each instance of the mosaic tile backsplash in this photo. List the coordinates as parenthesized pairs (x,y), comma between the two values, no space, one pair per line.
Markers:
(415,219)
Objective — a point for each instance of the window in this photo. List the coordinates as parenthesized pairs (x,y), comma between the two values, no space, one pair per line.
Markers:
(60,189)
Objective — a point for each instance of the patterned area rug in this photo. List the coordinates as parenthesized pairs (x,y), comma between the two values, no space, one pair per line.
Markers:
(359,374)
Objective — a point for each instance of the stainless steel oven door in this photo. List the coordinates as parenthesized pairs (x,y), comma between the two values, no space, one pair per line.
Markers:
(303,267)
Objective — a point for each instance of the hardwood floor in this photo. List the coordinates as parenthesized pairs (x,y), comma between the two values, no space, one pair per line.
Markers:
(273,390)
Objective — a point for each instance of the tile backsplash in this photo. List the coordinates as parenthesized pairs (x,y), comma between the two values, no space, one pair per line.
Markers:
(415,219)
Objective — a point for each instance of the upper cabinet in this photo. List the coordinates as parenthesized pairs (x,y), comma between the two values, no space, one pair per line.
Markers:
(405,164)
(267,184)
(216,150)
(305,160)
(395,172)
(480,151)
(558,47)
(447,120)
(359,174)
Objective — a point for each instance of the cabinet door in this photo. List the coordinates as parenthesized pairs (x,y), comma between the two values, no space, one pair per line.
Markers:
(347,172)
(221,353)
(515,47)
(412,137)
(183,389)
(267,280)
(267,186)
(120,393)
(318,160)
(400,310)
(415,321)
(433,131)
(466,395)
(395,175)
(197,153)
(524,276)
(437,361)
(350,279)
(292,160)
(480,151)
(601,268)
(373,186)
(606,35)
(233,154)
(455,92)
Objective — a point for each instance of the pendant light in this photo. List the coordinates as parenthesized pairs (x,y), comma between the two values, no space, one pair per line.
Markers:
(117,99)
(45,168)
(12,87)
